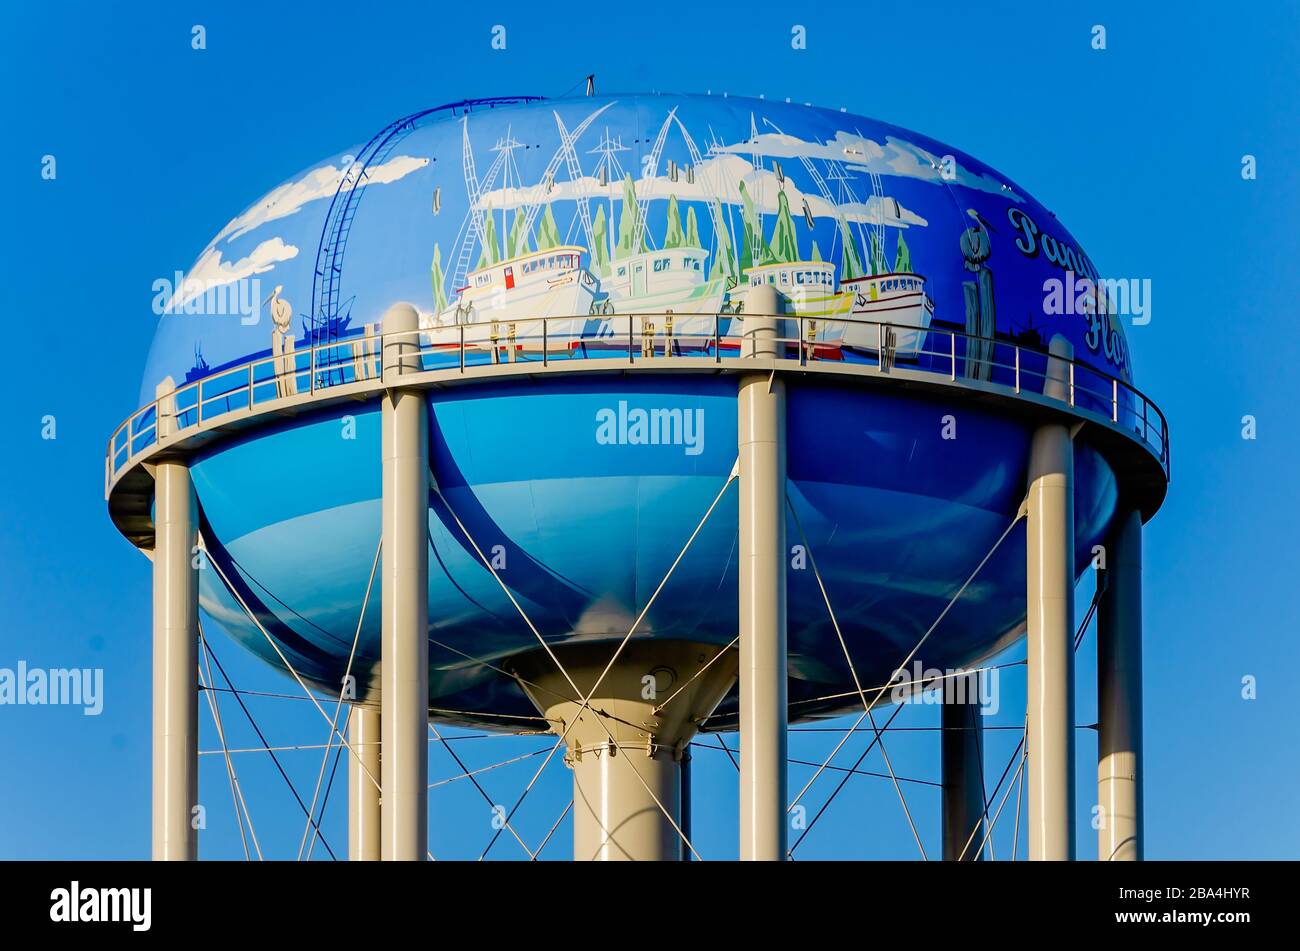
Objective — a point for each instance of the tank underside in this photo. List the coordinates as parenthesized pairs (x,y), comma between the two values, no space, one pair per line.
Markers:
(582,492)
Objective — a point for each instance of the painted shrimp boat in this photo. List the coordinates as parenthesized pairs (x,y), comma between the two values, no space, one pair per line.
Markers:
(810,290)
(809,287)
(672,280)
(507,300)
(898,299)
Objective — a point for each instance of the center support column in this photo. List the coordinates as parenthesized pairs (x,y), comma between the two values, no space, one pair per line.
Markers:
(626,748)
(962,757)
(1119,695)
(405,595)
(175,664)
(364,820)
(1050,625)
(761,445)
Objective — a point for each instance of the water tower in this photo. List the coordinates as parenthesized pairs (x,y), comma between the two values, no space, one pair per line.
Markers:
(635,417)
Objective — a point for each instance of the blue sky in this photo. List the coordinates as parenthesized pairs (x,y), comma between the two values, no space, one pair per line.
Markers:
(1137,148)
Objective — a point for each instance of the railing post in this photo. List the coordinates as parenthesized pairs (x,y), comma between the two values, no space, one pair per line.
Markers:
(462,348)
(544,345)
(717,338)
(1114,400)
(631,340)
(952,356)
(1017,350)
(312,386)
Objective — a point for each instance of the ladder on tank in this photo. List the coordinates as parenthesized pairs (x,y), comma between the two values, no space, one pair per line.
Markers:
(325,319)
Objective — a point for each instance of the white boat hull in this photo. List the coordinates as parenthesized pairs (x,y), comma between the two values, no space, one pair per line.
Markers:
(514,318)
(895,299)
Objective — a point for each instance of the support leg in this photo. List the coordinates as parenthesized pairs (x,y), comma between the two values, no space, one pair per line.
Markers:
(963,772)
(686,817)
(1050,635)
(364,820)
(1119,696)
(175,664)
(405,595)
(761,435)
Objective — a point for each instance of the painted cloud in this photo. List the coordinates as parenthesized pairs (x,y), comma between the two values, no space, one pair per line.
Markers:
(319,183)
(716,178)
(856,152)
(210,271)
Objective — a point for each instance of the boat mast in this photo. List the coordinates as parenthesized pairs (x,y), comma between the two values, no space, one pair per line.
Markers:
(650,170)
(612,170)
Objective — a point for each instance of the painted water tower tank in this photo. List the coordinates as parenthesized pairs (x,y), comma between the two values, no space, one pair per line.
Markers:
(582,272)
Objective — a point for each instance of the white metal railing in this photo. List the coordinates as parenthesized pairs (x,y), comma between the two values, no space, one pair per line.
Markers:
(631,338)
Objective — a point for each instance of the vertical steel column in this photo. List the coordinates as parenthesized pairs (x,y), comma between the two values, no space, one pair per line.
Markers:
(761,438)
(627,752)
(364,822)
(686,818)
(962,771)
(405,594)
(1050,625)
(617,791)
(175,664)
(1119,695)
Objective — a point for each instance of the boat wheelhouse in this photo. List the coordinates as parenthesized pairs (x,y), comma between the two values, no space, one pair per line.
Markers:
(672,280)
(809,287)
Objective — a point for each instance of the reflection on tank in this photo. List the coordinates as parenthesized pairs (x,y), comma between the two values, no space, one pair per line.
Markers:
(981,314)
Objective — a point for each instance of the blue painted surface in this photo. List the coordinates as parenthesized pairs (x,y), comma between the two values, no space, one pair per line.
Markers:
(705,195)
(895,515)
(749,183)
